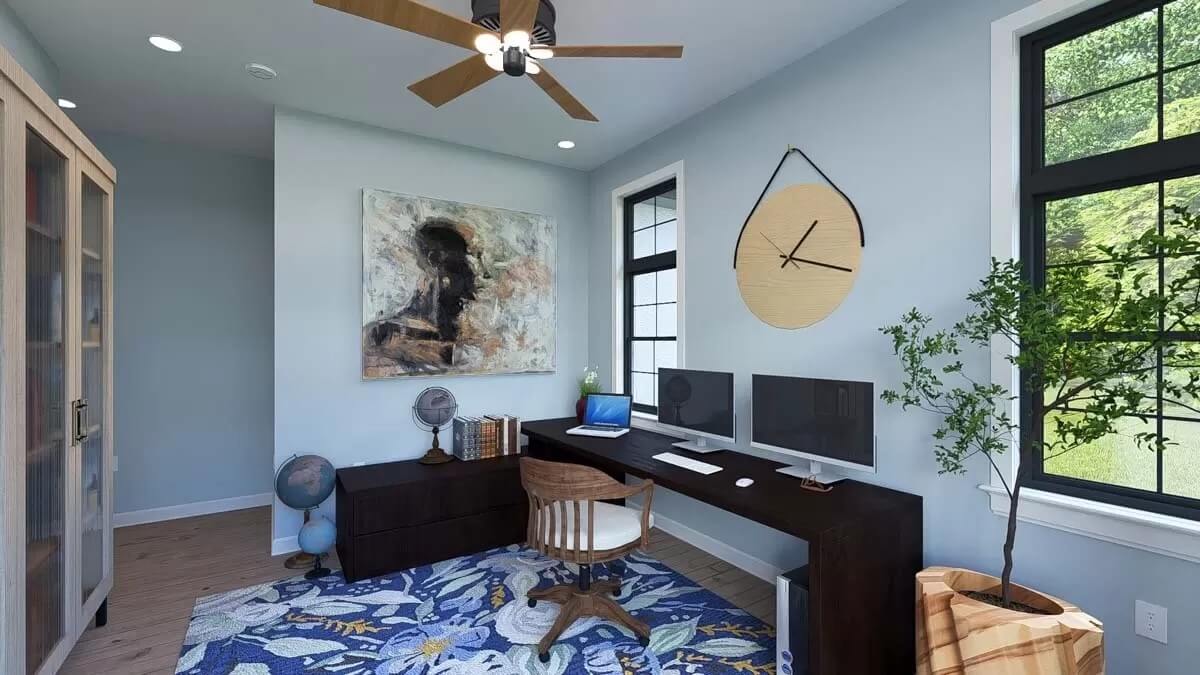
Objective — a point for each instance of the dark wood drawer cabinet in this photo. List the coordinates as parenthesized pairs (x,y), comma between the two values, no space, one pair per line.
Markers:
(394,516)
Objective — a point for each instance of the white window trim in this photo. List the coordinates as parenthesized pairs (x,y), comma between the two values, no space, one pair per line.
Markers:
(1167,535)
(617,280)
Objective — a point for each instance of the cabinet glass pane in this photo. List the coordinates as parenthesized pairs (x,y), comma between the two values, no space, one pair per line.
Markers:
(45,418)
(92,358)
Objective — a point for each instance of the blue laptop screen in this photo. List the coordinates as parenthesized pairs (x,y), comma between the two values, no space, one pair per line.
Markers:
(607,410)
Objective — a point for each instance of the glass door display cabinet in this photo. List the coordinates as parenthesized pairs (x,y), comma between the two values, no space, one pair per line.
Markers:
(56,440)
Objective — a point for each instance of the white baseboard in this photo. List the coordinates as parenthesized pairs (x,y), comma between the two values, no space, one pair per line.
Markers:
(194,509)
(762,570)
(284,545)
(743,561)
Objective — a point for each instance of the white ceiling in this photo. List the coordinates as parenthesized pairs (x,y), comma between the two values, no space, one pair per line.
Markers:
(336,64)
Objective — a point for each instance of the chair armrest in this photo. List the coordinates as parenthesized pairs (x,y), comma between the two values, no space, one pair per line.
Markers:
(646,487)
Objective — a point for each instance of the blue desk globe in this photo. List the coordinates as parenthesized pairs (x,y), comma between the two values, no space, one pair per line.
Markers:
(317,536)
(304,482)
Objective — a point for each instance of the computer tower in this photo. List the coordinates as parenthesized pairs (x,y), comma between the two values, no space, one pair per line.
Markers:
(791,622)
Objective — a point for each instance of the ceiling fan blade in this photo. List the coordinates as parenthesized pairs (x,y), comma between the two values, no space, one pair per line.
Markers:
(621,51)
(563,97)
(413,17)
(517,15)
(443,87)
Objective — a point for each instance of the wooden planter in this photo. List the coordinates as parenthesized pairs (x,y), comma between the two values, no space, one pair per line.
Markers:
(960,636)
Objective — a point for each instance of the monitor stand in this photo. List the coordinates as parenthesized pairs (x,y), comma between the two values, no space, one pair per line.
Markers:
(699,446)
(812,472)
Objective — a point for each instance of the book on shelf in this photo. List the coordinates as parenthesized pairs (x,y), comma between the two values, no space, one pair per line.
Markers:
(485,437)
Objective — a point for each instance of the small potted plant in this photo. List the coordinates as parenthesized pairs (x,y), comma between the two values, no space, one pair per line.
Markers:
(1058,340)
(588,384)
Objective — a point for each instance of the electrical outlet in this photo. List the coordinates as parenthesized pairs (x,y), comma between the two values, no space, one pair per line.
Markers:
(1150,621)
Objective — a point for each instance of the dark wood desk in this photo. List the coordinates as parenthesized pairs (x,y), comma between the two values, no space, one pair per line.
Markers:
(864,541)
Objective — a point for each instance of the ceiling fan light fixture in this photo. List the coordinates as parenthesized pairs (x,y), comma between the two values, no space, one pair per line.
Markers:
(514,61)
(517,38)
(541,52)
(495,61)
(488,43)
(532,68)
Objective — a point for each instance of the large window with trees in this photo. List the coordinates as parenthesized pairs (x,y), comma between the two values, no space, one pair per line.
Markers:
(651,232)
(1110,124)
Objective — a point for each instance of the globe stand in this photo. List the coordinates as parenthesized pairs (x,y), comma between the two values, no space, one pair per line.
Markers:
(318,571)
(301,560)
(435,454)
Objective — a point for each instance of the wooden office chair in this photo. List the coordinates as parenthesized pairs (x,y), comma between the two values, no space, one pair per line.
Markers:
(568,521)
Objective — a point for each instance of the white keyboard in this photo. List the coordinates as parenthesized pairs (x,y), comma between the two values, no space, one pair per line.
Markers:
(687,463)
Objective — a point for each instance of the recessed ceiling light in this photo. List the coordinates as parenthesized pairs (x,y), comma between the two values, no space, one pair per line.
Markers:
(566,145)
(261,71)
(67,104)
(165,43)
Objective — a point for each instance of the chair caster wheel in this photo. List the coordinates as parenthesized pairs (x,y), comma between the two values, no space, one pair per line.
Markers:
(544,658)
(531,602)
(644,641)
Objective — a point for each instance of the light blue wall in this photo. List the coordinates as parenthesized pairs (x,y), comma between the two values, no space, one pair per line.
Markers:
(19,42)
(192,390)
(322,405)
(897,113)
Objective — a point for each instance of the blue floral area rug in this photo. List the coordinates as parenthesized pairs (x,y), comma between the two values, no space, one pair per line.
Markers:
(469,616)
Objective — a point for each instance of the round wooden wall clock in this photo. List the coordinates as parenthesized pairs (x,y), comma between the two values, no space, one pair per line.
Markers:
(799,255)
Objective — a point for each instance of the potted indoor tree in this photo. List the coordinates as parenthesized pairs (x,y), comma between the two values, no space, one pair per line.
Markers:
(1089,342)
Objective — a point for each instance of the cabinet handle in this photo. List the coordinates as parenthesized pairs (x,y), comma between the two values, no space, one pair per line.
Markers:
(80,409)
(76,421)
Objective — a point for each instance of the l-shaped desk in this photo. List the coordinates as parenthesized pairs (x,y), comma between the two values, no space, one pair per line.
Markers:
(864,541)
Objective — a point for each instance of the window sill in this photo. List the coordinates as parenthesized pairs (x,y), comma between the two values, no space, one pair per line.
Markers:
(1165,535)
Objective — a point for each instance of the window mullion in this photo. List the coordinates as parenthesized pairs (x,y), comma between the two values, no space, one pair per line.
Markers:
(1161,77)
(659,262)
(1164,160)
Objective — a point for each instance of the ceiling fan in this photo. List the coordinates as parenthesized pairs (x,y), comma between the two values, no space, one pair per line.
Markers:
(513,37)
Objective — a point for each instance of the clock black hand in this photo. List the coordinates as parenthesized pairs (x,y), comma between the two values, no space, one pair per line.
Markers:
(820,264)
(791,256)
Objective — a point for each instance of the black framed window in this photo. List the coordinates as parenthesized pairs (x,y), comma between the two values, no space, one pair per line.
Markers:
(651,233)
(1110,115)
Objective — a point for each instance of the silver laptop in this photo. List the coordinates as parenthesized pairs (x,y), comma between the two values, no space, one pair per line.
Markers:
(605,416)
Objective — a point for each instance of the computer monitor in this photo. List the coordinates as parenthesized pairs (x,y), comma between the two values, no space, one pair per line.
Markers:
(698,403)
(823,421)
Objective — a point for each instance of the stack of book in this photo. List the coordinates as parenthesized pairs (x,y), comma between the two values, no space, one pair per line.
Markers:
(486,437)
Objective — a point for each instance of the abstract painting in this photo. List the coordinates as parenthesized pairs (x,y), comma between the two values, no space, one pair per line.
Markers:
(455,289)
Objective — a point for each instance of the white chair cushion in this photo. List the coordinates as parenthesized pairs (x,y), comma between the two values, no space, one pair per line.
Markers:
(615,526)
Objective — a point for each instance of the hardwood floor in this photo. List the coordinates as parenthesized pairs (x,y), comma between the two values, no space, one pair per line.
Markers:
(161,569)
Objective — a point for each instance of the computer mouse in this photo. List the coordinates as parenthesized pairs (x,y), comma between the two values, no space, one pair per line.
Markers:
(744,482)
